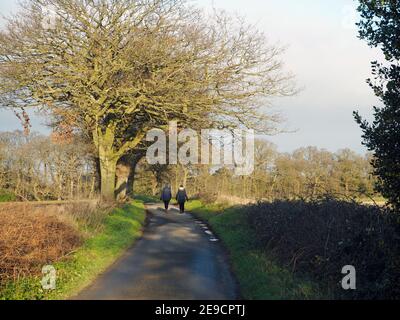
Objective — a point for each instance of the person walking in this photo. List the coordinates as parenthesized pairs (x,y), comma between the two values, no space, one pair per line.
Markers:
(166,196)
(182,197)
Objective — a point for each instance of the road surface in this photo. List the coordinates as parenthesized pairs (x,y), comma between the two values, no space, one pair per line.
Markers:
(178,258)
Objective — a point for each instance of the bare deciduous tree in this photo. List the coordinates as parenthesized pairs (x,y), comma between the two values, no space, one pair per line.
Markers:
(114,69)
(36,168)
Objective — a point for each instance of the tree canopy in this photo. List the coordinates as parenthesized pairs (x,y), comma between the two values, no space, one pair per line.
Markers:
(112,70)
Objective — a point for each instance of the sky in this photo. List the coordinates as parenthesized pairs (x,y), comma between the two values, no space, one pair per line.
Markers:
(330,63)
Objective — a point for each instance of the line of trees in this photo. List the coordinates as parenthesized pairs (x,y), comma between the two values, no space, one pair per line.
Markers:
(41,168)
(306,173)
(38,167)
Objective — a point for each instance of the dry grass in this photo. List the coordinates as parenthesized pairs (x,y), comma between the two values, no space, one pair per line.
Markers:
(232,200)
(36,234)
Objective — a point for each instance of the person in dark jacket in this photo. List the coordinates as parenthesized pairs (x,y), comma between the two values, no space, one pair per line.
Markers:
(166,196)
(182,197)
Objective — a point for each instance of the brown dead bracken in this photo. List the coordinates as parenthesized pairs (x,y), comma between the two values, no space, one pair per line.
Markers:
(31,238)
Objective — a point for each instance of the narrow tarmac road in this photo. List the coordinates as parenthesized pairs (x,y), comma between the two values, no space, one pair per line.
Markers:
(178,258)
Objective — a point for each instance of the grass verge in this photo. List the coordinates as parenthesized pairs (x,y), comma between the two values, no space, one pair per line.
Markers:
(6,196)
(147,198)
(120,230)
(259,276)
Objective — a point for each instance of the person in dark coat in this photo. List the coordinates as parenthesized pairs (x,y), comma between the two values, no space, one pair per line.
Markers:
(182,197)
(166,196)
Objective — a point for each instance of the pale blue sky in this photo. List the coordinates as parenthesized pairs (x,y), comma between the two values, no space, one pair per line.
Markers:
(323,51)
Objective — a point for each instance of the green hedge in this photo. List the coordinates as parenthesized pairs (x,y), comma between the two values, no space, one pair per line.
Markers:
(319,238)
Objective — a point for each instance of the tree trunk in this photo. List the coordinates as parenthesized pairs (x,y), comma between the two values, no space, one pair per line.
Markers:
(104,141)
(131,180)
(185,175)
(133,162)
(108,169)
(123,172)
(71,189)
(107,162)
(93,187)
(154,185)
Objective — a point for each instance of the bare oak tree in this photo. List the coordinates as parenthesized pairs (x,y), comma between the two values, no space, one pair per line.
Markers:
(112,70)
